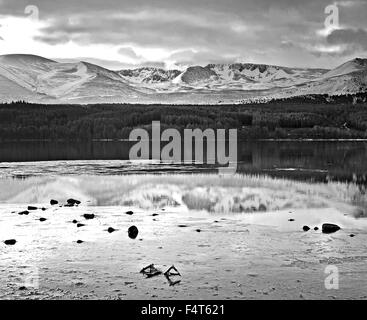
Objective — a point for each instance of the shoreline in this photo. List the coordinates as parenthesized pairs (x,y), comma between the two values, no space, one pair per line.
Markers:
(237,256)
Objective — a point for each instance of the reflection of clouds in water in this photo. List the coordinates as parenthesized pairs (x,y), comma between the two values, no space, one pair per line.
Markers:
(211,193)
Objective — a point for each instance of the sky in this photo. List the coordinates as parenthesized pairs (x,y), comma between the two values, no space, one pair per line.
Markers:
(120,34)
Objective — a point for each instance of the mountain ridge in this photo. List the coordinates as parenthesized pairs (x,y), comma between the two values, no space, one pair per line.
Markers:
(38,79)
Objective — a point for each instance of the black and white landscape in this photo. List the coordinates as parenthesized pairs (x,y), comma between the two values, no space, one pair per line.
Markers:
(81,218)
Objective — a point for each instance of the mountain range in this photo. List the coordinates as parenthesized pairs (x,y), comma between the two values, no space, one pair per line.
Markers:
(37,79)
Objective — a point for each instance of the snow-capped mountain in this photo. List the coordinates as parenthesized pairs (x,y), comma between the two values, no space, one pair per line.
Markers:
(149,75)
(37,79)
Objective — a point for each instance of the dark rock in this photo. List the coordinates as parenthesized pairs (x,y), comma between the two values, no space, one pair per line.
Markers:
(130,213)
(182,226)
(306,228)
(25,213)
(133,232)
(352,235)
(54,202)
(10,242)
(291,220)
(42,219)
(110,230)
(43,209)
(80,241)
(330,228)
(155,214)
(198,230)
(73,202)
(89,216)
(30,208)
(80,225)
(23,288)
(316,228)
(75,221)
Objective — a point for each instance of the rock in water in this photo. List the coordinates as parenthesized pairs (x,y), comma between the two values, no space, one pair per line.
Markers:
(75,221)
(30,208)
(42,219)
(80,241)
(306,228)
(130,213)
(133,232)
(80,225)
(54,202)
(110,230)
(25,213)
(10,242)
(316,228)
(89,216)
(73,202)
(330,228)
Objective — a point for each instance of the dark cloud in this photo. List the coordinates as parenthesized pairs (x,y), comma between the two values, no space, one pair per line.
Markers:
(198,31)
(356,38)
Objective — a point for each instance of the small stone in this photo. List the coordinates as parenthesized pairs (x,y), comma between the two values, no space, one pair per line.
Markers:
(25,213)
(80,241)
(198,230)
(75,221)
(352,235)
(42,219)
(130,213)
(54,202)
(31,208)
(316,228)
(80,225)
(10,242)
(110,230)
(73,202)
(88,216)
(22,288)
(291,220)
(133,232)
(306,228)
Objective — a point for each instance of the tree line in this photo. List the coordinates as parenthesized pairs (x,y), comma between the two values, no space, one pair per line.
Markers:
(301,117)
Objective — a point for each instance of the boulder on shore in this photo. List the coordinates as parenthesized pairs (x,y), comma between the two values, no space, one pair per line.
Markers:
(54,202)
(306,228)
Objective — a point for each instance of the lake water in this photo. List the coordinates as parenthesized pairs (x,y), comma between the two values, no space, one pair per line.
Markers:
(301,160)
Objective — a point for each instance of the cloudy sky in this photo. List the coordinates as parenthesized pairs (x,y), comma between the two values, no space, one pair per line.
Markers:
(170,33)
